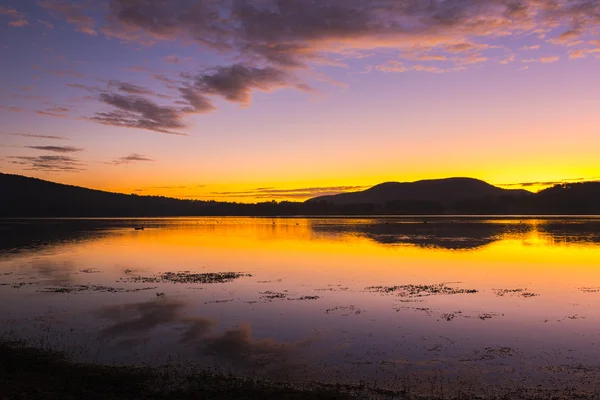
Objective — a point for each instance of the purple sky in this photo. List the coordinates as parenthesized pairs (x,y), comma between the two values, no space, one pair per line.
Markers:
(259,100)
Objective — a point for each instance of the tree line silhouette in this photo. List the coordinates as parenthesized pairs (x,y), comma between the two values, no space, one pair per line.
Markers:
(28,197)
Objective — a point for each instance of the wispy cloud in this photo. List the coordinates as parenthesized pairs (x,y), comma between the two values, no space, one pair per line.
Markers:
(18,19)
(543,60)
(132,111)
(12,109)
(73,12)
(57,149)
(133,157)
(48,163)
(56,112)
(548,183)
(30,135)
(301,193)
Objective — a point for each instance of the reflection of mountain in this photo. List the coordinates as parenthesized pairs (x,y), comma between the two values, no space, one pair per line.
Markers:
(34,235)
(566,231)
(442,191)
(451,235)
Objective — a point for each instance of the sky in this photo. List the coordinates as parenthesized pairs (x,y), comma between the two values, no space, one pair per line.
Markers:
(259,100)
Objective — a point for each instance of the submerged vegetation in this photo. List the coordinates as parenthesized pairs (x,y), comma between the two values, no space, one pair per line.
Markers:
(420,290)
(189,277)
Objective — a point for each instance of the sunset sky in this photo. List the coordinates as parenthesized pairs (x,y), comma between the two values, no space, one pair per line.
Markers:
(253,100)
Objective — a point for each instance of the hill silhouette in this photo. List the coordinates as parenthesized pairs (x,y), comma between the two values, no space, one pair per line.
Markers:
(445,191)
(22,196)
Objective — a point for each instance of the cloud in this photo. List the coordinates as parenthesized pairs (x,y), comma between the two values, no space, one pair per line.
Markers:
(176,60)
(549,183)
(57,149)
(293,33)
(20,23)
(131,111)
(18,19)
(575,54)
(301,193)
(46,24)
(49,163)
(73,13)
(509,59)
(567,37)
(274,43)
(543,60)
(235,83)
(133,157)
(30,135)
(56,112)
(130,88)
(397,66)
(12,109)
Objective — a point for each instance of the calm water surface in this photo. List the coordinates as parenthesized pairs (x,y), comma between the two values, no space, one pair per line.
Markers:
(391,301)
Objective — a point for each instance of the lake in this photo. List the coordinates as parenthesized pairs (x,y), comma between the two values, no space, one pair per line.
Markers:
(430,304)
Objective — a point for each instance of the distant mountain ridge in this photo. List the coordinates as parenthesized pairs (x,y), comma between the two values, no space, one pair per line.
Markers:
(26,197)
(444,191)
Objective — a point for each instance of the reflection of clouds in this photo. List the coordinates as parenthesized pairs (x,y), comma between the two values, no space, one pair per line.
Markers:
(238,347)
(132,324)
(141,318)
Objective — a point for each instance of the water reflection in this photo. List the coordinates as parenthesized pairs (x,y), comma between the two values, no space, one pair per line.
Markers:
(450,235)
(497,300)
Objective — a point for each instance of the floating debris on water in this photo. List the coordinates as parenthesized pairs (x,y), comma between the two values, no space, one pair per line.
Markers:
(307,298)
(345,311)
(90,288)
(514,292)
(189,277)
(268,295)
(218,301)
(420,290)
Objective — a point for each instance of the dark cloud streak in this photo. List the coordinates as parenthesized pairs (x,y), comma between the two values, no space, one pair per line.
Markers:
(57,149)
(49,163)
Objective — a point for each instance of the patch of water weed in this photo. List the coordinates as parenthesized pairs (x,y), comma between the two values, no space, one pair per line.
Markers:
(89,271)
(269,295)
(189,277)
(218,301)
(490,353)
(275,281)
(307,298)
(21,284)
(419,290)
(333,288)
(345,311)
(485,316)
(450,316)
(514,292)
(91,288)
(426,310)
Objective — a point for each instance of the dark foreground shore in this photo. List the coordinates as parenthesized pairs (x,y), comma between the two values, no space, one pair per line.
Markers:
(30,373)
